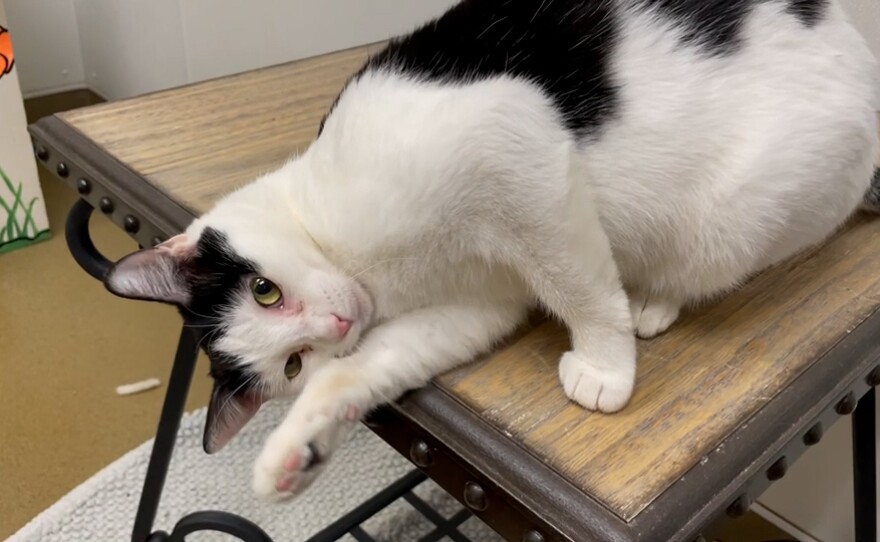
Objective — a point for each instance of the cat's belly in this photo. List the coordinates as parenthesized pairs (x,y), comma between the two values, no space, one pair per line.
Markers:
(745,161)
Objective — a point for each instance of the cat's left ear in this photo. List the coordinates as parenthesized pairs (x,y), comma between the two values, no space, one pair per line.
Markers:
(154,274)
(228,411)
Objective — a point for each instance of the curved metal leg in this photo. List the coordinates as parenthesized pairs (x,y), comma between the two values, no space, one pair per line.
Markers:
(166,434)
(864,429)
(79,242)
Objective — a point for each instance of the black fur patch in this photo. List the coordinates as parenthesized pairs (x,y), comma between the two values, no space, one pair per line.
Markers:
(214,275)
(562,45)
(714,25)
(810,12)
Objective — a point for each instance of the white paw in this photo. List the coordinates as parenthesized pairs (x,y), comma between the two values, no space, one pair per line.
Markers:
(604,385)
(652,316)
(296,453)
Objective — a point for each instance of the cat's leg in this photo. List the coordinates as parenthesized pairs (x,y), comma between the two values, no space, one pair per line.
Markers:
(652,314)
(399,355)
(571,269)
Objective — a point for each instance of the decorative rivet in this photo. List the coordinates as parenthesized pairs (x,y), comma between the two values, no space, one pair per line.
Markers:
(739,507)
(83,186)
(156,241)
(873,378)
(42,153)
(62,169)
(846,405)
(533,536)
(814,435)
(131,224)
(475,496)
(106,205)
(420,453)
(777,470)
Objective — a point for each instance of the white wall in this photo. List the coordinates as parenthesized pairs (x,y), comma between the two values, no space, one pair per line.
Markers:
(229,36)
(122,48)
(47,49)
(131,47)
(865,15)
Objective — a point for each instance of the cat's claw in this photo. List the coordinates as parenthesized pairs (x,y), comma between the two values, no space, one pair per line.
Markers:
(296,453)
(652,316)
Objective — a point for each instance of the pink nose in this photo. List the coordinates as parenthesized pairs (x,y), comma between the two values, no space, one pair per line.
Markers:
(342,326)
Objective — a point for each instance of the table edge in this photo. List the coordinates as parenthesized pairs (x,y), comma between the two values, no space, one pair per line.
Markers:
(476,443)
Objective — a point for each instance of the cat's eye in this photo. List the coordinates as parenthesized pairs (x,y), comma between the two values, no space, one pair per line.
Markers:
(265,292)
(293,367)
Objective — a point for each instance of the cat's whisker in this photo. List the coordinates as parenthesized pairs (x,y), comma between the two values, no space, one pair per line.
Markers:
(377,264)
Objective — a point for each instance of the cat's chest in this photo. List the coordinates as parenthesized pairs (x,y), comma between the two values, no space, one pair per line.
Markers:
(410,281)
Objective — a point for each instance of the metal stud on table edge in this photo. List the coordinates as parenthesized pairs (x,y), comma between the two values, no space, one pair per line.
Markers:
(814,435)
(420,453)
(475,496)
(740,506)
(83,186)
(778,469)
(846,405)
(41,152)
(131,224)
(106,205)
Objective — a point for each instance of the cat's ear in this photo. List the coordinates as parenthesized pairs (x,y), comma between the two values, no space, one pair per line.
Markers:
(228,411)
(154,274)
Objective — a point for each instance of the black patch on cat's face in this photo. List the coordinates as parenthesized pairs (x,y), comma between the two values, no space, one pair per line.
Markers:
(215,275)
(562,45)
(809,12)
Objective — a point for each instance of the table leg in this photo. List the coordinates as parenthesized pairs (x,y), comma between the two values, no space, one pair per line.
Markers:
(166,434)
(865,468)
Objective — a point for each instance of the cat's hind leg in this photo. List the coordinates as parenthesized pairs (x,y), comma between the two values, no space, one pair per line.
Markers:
(652,314)
(569,266)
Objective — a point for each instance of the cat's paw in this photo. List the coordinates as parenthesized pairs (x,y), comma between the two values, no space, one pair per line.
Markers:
(605,385)
(652,316)
(296,453)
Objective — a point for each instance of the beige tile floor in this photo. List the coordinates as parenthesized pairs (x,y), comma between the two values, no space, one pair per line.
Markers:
(65,344)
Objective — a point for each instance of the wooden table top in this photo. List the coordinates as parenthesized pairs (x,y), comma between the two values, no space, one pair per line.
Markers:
(703,380)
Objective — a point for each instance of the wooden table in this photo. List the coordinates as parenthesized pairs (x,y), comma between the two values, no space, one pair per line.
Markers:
(724,402)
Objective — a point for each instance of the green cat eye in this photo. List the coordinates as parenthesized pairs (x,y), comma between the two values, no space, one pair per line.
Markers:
(293,367)
(265,292)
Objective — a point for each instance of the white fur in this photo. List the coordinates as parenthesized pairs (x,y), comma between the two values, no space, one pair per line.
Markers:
(436,215)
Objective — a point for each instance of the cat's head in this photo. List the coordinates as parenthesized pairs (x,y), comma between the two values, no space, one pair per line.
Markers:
(266,302)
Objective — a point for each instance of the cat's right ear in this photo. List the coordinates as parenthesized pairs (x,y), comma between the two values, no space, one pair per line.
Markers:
(154,274)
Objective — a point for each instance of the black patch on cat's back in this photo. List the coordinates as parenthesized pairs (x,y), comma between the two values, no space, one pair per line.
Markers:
(214,275)
(809,12)
(714,25)
(564,46)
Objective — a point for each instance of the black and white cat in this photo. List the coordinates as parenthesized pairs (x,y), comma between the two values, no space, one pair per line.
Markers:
(609,160)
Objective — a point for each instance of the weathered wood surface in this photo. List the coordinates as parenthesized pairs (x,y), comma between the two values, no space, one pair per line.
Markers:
(696,384)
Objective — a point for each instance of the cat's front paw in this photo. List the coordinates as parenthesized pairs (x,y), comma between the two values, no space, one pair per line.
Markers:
(296,453)
(605,385)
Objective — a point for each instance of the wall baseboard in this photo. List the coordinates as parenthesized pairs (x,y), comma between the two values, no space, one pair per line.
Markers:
(781,522)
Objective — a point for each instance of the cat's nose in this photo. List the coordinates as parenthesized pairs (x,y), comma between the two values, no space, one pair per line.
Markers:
(342,325)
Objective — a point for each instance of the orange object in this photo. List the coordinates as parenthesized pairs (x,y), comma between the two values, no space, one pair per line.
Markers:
(7,58)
